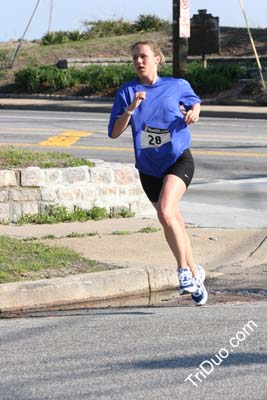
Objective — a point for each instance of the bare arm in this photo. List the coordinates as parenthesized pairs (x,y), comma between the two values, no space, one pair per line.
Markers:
(192,115)
(123,121)
(120,125)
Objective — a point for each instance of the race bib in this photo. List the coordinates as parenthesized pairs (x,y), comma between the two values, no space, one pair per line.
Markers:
(154,137)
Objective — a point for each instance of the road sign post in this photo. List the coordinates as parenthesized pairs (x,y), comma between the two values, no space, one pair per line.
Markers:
(181,31)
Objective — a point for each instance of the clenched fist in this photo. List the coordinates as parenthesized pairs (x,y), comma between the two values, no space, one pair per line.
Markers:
(138,98)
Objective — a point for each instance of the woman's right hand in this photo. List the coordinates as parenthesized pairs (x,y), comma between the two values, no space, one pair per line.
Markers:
(122,122)
(138,98)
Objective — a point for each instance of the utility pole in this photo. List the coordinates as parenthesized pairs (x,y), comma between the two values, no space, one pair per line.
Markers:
(22,37)
(180,42)
(50,16)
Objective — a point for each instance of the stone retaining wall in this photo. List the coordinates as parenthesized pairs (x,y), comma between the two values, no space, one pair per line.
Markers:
(211,60)
(30,190)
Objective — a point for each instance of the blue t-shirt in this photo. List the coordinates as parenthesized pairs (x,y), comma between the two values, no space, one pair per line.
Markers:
(160,134)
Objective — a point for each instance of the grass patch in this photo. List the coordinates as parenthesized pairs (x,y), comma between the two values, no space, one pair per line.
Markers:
(54,214)
(34,54)
(33,238)
(20,261)
(51,237)
(121,213)
(121,233)
(81,235)
(149,229)
(11,157)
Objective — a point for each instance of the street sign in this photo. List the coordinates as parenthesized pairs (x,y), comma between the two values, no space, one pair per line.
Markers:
(184,5)
(205,34)
(184,20)
(184,27)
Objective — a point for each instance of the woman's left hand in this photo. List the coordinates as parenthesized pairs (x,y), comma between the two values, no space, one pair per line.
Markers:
(191,116)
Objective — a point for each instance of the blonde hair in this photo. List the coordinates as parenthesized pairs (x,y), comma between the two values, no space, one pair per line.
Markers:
(154,47)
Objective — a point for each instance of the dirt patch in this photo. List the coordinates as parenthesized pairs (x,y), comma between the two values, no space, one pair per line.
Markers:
(236,42)
(246,92)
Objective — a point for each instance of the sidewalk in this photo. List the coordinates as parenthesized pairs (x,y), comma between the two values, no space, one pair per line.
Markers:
(248,110)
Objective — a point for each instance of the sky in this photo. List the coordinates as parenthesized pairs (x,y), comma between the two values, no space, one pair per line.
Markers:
(70,14)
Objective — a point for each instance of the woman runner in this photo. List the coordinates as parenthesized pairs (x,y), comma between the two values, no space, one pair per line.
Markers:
(151,105)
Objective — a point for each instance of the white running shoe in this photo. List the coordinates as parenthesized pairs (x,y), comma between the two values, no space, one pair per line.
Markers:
(200,296)
(187,281)
(201,273)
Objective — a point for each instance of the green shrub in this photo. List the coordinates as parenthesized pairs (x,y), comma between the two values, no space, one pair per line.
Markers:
(45,78)
(61,37)
(98,213)
(36,79)
(102,78)
(124,213)
(150,22)
(165,70)
(108,28)
(48,39)
(120,27)
(214,78)
(75,36)
(99,78)
(27,79)
(51,38)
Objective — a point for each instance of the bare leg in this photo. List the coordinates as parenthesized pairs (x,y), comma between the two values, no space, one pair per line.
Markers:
(188,249)
(172,221)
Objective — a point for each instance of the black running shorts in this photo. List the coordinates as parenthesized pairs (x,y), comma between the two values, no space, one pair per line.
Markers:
(183,168)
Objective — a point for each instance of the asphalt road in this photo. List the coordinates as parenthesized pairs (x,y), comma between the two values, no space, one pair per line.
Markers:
(223,148)
(214,352)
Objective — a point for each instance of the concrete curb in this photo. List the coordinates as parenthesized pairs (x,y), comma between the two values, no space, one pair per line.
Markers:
(89,287)
(69,104)
(59,106)
(233,114)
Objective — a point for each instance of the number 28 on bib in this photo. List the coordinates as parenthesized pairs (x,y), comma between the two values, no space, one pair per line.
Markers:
(154,137)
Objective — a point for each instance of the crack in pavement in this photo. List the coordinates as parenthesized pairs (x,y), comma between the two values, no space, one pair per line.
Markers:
(257,248)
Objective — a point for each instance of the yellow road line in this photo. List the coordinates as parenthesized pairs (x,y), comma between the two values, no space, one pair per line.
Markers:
(66,139)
